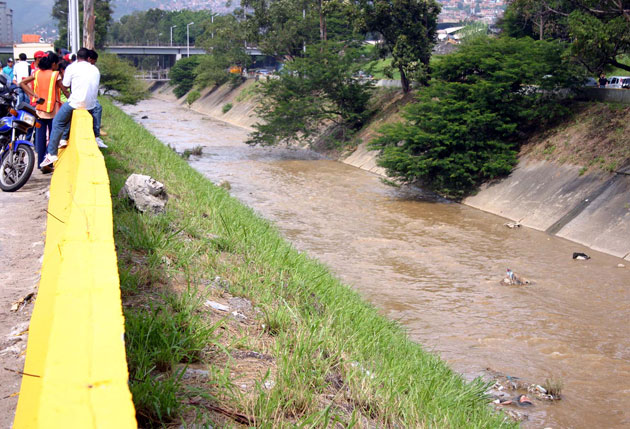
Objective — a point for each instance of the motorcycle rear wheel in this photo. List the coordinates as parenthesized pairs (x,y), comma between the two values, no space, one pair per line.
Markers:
(16,168)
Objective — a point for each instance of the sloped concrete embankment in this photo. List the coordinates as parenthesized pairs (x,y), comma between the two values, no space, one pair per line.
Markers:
(213,100)
(592,209)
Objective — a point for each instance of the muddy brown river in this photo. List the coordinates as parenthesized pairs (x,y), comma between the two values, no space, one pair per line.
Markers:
(436,267)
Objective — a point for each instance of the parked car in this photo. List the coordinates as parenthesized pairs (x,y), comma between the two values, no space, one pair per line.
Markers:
(616,81)
(625,83)
(590,82)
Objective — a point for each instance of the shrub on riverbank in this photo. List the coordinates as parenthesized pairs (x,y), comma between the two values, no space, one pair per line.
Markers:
(467,126)
(310,352)
(118,75)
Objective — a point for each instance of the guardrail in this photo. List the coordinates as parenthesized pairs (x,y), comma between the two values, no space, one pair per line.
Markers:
(75,374)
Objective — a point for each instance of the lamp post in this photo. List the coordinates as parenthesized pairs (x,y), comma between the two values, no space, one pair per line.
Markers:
(188,38)
(172,34)
(158,39)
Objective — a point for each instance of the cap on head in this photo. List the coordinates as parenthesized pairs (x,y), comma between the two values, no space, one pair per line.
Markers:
(10,60)
(67,57)
(39,54)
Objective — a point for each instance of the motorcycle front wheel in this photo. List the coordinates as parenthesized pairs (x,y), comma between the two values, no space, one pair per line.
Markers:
(16,168)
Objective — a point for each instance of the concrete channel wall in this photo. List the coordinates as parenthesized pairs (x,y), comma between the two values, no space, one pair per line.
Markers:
(591,209)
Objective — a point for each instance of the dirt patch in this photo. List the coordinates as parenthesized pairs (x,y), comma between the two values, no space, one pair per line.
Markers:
(595,136)
(21,249)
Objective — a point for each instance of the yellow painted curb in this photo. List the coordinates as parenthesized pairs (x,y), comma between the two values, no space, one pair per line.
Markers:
(75,374)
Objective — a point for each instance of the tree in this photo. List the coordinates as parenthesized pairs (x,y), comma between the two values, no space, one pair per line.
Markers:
(224,40)
(182,74)
(408,29)
(466,127)
(310,92)
(102,21)
(599,42)
(598,31)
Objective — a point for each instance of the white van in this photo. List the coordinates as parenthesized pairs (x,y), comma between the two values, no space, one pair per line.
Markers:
(616,81)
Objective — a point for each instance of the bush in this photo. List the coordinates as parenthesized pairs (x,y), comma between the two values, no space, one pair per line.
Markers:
(193,96)
(467,125)
(226,107)
(118,75)
(183,74)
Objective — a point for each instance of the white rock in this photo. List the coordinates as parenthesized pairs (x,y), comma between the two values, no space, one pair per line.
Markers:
(147,194)
(216,305)
(621,266)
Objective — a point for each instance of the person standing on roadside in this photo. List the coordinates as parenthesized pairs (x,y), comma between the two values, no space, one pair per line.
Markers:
(602,82)
(83,80)
(47,87)
(22,70)
(8,71)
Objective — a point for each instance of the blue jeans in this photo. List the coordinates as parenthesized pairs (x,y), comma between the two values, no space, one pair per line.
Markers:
(61,125)
(96,113)
(40,138)
(60,128)
(22,96)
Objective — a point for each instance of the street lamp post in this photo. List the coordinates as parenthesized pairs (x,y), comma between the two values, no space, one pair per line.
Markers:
(172,34)
(188,38)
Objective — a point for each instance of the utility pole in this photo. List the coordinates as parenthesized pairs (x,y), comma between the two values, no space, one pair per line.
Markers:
(172,34)
(88,24)
(73,25)
(188,38)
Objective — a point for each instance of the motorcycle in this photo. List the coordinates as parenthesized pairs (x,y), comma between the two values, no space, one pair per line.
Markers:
(17,157)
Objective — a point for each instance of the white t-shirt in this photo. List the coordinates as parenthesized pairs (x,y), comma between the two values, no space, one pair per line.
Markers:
(21,71)
(83,80)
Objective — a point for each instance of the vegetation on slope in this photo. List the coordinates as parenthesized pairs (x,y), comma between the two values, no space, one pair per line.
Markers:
(467,125)
(595,136)
(309,352)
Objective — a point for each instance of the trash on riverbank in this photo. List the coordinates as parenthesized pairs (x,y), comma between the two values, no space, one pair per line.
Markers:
(579,256)
(15,306)
(511,278)
(512,225)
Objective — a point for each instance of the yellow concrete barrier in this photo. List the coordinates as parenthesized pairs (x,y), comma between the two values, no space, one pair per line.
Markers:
(75,374)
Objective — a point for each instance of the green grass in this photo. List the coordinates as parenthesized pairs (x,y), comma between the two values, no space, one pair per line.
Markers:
(334,359)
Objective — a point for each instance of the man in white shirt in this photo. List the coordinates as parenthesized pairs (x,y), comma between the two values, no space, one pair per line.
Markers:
(83,79)
(22,70)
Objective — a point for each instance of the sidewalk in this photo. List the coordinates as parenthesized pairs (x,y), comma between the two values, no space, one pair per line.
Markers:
(22,226)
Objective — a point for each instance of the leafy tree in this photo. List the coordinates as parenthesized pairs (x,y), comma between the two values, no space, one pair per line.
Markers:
(102,13)
(599,42)
(408,30)
(224,40)
(154,26)
(466,127)
(117,75)
(320,88)
(182,75)
(279,27)
(599,32)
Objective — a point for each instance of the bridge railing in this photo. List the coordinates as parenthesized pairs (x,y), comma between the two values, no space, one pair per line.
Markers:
(75,374)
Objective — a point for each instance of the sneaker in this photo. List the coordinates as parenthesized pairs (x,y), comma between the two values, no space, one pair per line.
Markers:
(63,143)
(48,160)
(100,143)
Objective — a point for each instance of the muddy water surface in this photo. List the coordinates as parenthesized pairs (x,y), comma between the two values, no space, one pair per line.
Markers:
(436,266)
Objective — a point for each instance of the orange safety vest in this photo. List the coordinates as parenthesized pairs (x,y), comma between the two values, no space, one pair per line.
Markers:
(45,86)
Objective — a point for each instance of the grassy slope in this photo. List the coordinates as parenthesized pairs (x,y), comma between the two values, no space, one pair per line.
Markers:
(595,136)
(329,355)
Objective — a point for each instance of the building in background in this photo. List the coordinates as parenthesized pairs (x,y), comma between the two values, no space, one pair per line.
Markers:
(6,24)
